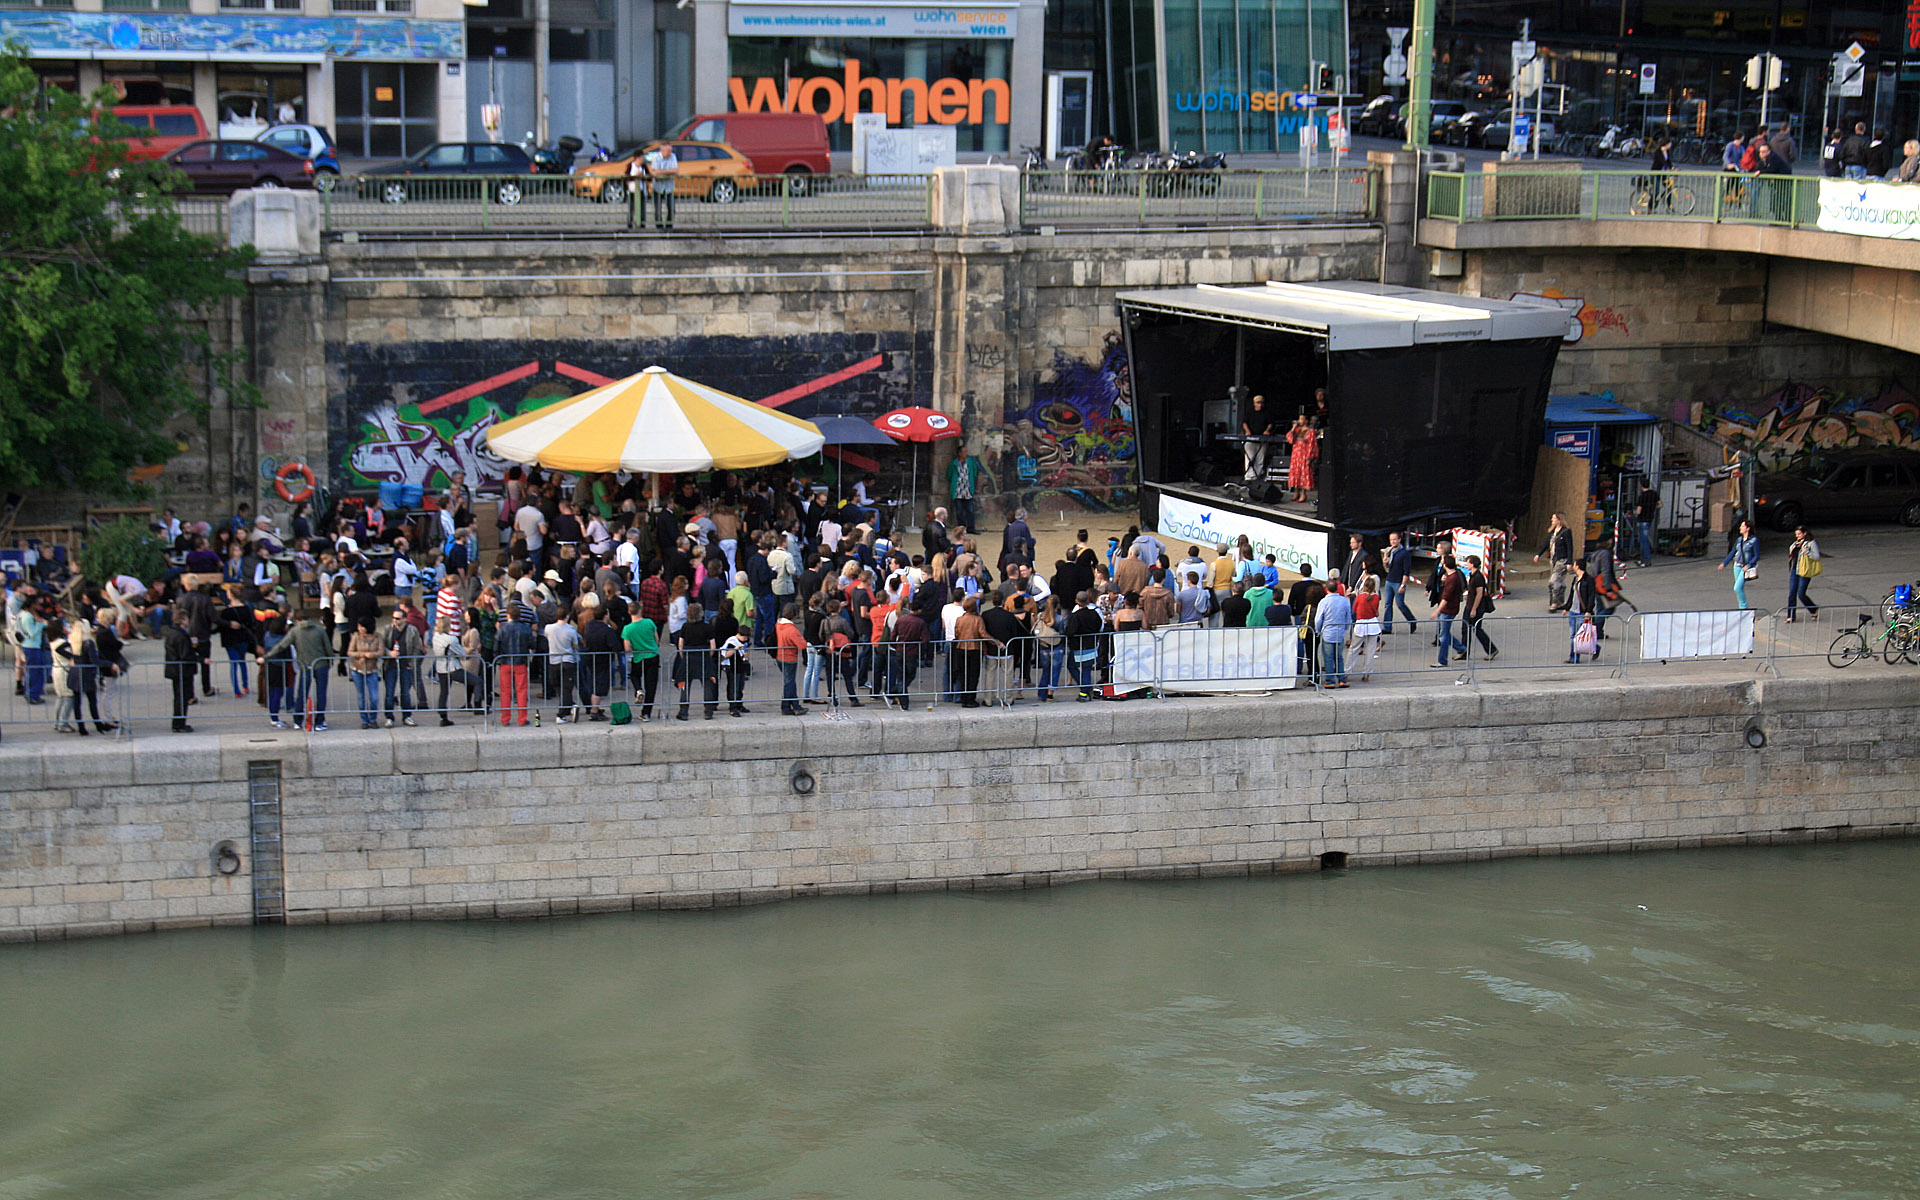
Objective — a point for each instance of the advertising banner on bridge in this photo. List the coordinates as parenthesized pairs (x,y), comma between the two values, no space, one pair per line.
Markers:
(1885,210)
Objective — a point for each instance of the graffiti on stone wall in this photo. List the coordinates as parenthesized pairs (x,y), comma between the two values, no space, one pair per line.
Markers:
(1584,320)
(400,444)
(1074,446)
(415,413)
(1798,421)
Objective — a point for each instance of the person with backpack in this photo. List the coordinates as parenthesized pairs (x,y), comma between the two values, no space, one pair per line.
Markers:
(1479,606)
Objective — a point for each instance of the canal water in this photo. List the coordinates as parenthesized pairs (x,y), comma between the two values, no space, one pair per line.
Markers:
(1713,1024)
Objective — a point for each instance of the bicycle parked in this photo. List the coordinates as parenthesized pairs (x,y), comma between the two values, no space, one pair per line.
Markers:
(1899,639)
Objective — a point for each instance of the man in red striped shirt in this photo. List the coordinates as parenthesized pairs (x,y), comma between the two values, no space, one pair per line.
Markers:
(446,604)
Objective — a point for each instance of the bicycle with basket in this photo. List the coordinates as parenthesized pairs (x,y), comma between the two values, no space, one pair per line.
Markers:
(1899,639)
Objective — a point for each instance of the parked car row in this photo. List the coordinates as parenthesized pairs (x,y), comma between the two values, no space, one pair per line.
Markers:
(721,156)
(1451,123)
(460,170)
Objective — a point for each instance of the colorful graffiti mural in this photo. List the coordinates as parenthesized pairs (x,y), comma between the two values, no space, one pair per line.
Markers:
(400,444)
(1073,447)
(1583,319)
(415,413)
(1798,421)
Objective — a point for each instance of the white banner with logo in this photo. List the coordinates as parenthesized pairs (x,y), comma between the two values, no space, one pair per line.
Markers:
(1721,634)
(1194,658)
(1205,526)
(1884,210)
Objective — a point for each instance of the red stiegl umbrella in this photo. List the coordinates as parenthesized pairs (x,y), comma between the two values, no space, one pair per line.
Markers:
(916,424)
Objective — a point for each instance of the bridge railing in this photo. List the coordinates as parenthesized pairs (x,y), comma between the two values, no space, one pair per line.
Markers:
(387,204)
(1723,197)
(1138,197)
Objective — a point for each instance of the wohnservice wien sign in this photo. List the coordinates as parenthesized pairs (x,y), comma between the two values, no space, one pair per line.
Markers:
(1290,109)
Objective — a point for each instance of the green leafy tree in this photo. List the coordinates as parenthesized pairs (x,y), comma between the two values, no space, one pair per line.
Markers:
(123,547)
(102,295)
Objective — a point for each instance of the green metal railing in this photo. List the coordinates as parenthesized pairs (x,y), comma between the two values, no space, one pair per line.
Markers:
(1137,197)
(1709,196)
(605,204)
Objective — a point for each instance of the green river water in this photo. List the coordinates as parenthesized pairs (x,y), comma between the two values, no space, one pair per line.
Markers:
(1524,1028)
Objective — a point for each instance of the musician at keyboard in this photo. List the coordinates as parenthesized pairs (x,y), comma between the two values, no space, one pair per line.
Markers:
(1258,423)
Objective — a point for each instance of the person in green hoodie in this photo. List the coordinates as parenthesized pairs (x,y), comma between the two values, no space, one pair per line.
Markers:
(1259,599)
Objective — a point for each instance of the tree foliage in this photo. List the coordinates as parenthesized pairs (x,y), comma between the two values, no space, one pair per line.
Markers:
(123,547)
(101,295)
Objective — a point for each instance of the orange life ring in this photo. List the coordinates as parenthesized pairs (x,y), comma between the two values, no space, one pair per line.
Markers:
(289,472)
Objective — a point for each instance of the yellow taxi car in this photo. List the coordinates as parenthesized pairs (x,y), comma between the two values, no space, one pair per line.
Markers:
(708,171)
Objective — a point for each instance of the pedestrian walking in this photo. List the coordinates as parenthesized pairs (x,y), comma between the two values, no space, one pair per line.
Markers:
(1744,558)
(1803,565)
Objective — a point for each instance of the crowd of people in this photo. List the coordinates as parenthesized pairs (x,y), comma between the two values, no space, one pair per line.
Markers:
(597,600)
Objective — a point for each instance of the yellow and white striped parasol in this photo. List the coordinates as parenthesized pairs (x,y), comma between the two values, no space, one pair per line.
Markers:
(654,421)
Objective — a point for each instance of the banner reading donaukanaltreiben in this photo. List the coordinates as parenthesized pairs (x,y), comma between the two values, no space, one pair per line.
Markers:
(1887,210)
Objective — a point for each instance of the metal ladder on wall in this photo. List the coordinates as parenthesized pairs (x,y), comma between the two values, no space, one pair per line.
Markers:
(269,860)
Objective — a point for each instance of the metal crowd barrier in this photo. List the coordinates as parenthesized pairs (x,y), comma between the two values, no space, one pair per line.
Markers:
(1172,660)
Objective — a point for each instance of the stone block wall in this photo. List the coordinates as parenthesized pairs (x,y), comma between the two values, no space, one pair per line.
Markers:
(998,330)
(483,823)
(1667,329)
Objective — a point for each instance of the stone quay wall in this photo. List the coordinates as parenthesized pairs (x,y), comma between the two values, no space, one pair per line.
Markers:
(470,823)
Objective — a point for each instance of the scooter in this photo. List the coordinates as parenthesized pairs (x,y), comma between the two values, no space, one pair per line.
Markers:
(601,154)
(556,159)
(1194,171)
(1617,142)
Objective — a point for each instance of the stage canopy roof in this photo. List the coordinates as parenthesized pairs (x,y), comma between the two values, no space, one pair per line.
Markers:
(1353,315)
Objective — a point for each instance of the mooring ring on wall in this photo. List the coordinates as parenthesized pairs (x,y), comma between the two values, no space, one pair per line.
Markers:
(226,859)
(802,779)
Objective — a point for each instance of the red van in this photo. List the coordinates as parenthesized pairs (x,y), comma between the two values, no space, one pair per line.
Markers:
(775,143)
(160,129)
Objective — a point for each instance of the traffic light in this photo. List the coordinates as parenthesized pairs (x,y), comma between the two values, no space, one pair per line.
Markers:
(1768,67)
(1325,82)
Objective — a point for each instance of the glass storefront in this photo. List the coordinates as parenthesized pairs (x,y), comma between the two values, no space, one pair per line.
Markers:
(149,83)
(1594,54)
(1234,67)
(963,82)
(385,110)
(252,98)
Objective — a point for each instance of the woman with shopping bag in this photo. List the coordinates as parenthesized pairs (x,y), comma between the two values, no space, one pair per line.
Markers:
(1803,564)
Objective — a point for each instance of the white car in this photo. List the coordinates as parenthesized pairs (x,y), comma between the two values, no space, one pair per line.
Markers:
(309,142)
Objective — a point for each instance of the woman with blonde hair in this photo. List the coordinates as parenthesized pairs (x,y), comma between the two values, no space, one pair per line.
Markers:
(75,653)
(110,652)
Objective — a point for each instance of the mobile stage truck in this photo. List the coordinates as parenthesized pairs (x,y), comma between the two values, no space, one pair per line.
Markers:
(1427,410)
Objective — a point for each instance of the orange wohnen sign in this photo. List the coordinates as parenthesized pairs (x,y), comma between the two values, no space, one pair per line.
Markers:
(943,101)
